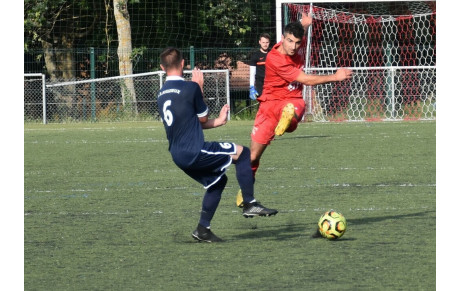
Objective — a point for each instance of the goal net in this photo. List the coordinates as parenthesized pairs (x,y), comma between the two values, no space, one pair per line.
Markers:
(391,47)
(34,97)
(125,97)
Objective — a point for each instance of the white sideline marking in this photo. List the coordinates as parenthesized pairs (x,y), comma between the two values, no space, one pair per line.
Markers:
(148,140)
(228,189)
(154,127)
(238,212)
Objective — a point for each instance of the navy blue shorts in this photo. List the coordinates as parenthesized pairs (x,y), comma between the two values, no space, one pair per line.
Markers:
(212,163)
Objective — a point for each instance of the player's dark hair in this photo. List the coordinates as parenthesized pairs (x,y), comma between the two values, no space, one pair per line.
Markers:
(294,28)
(265,35)
(171,58)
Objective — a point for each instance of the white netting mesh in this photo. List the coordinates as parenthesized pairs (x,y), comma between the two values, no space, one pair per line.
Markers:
(376,94)
(391,46)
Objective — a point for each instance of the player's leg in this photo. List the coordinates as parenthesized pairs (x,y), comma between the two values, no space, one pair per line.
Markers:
(209,170)
(287,115)
(255,155)
(255,208)
(261,135)
(210,203)
(244,175)
(299,111)
(253,166)
(263,131)
(245,178)
(257,149)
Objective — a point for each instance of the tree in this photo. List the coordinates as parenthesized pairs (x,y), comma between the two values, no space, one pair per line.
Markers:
(125,50)
(57,25)
(231,16)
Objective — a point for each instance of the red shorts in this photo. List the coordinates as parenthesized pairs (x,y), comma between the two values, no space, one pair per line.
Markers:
(268,116)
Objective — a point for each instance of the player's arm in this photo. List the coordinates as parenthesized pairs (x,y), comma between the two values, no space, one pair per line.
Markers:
(197,77)
(311,80)
(207,123)
(252,75)
(253,94)
(306,20)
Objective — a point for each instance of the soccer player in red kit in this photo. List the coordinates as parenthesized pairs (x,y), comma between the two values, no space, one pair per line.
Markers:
(281,103)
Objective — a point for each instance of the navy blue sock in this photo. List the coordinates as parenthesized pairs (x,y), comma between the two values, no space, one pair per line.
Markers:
(211,200)
(244,175)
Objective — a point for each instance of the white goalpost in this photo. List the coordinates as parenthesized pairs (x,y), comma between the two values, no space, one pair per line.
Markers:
(391,47)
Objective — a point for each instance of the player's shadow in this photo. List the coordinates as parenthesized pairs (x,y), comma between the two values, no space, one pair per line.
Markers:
(369,220)
(295,230)
(279,232)
(300,137)
(292,230)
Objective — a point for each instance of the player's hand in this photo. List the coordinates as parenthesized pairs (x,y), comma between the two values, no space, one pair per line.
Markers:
(224,114)
(343,74)
(253,94)
(197,77)
(307,19)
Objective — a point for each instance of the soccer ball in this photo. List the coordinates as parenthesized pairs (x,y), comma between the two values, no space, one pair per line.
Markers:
(332,224)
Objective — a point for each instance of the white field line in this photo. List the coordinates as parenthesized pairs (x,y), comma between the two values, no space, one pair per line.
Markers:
(356,185)
(237,212)
(194,192)
(227,189)
(148,140)
(113,128)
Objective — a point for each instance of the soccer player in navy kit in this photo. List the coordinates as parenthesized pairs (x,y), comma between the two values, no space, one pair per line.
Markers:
(185,114)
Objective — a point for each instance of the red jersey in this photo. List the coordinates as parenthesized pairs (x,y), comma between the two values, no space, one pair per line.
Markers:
(280,74)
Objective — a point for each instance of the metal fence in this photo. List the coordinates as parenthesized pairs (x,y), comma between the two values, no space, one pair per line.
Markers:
(385,93)
(99,63)
(111,98)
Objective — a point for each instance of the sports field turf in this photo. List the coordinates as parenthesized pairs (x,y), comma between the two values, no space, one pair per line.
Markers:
(105,208)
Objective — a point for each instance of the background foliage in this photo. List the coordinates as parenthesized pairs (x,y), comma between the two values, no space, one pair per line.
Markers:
(155,23)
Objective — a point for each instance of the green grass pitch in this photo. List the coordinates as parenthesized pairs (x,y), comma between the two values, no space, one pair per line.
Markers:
(105,208)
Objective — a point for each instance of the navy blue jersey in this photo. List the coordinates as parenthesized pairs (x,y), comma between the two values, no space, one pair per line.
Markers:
(180,104)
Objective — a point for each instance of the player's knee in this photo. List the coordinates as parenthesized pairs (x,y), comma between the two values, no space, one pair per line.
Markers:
(220,184)
(245,155)
(223,180)
(293,125)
